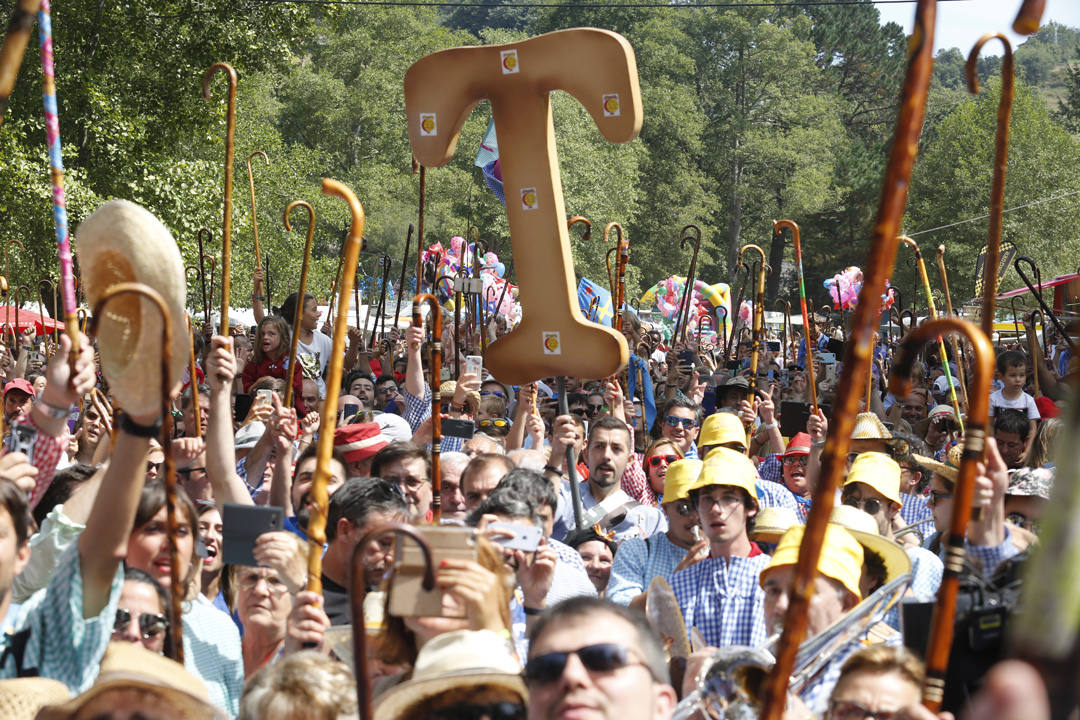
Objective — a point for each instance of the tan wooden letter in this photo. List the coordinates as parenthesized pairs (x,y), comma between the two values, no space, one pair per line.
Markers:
(598,68)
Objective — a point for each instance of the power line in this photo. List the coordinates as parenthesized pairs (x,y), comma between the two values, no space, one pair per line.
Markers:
(983,217)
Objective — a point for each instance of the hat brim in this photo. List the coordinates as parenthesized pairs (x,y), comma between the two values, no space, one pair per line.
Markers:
(897,562)
(948,472)
(188,705)
(399,700)
(770,534)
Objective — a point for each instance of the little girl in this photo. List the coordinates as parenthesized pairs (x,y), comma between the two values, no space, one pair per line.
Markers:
(271,355)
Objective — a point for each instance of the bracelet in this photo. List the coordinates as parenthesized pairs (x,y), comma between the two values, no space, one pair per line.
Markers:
(133,428)
(455,407)
(554,470)
(532,611)
(53,411)
(817,444)
(771,425)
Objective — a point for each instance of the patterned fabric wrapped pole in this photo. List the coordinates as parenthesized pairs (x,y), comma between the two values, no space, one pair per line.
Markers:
(56,171)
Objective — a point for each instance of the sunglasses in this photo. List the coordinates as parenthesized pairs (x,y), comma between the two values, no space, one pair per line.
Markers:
(796,460)
(869,505)
(687,423)
(490,393)
(493,422)
(150,624)
(602,657)
(684,507)
(658,460)
(595,408)
(936,497)
(469,711)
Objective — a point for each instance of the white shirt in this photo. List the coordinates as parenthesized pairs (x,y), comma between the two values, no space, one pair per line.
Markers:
(317,354)
(1025,402)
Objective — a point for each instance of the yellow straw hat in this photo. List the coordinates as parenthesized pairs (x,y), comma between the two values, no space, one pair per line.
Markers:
(879,471)
(868,426)
(681,475)
(950,469)
(720,428)
(864,528)
(725,466)
(841,556)
(772,522)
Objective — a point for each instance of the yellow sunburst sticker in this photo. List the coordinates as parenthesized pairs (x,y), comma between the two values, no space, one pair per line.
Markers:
(552,343)
(529,200)
(509,62)
(428,125)
(611,105)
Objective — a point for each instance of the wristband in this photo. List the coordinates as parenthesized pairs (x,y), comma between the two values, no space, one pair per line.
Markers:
(771,425)
(532,611)
(554,470)
(455,407)
(817,444)
(53,411)
(143,431)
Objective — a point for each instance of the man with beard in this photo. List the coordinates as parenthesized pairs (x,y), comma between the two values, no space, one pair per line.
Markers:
(606,454)
(357,507)
(298,510)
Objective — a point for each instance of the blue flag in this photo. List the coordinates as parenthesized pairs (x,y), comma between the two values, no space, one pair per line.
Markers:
(489,147)
(587,292)
(646,388)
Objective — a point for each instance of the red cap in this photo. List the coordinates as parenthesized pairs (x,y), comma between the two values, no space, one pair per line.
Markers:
(360,441)
(798,445)
(20,384)
(1047,407)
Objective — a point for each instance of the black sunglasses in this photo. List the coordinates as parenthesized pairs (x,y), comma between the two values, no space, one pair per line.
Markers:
(469,711)
(869,505)
(602,657)
(150,624)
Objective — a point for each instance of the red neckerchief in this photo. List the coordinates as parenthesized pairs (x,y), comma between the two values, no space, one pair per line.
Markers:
(754,549)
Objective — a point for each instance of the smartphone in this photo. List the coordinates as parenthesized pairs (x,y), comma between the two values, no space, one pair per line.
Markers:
(836,347)
(826,358)
(21,439)
(474,364)
(242,407)
(517,537)
(264,397)
(348,410)
(408,598)
(455,427)
(774,345)
(241,525)
(793,417)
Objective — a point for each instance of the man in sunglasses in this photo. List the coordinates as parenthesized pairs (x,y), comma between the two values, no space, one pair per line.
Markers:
(639,560)
(873,486)
(681,419)
(719,594)
(592,658)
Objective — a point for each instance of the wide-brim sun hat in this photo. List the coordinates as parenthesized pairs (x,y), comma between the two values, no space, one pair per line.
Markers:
(878,471)
(123,242)
(721,428)
(841,556)
(453,661)
(681,476)
(771,523)
(128,666)
(863,527)
(868,426)
(725,466)
(22,698)
(950,470)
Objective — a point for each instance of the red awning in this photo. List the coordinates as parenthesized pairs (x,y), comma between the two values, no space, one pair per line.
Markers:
(21,320)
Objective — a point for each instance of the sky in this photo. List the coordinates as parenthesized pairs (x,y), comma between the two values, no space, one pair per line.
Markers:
(961,23)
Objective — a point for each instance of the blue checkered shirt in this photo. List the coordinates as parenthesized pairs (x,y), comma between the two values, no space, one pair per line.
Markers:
(985,558)
(916,511)
(926,570)
(771,468)
(776,494)
(570,578)
(723,599)
(638,561)
(63,645)
(417,410)
(212,653)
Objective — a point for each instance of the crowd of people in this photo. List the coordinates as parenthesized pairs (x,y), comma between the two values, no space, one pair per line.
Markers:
(555,534)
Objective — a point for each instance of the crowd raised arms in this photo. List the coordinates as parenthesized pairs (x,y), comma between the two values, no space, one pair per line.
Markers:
(342,511)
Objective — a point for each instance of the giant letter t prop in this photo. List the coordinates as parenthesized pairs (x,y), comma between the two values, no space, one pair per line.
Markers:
(598,68)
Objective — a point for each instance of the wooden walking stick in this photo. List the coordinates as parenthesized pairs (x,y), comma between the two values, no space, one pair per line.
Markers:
(16,39)
(733,338)
(755,319)
(194,380)
(320,501)
(401,282)
(808,335)
(1028,18)
(206,296)
(255,215)
(226,226)
(177,565)
(961,370)
(301,293)
(858,349)
(941,626)
(933,316)
(1035,288)
(689,233)
(1001,157)
(622,248)
(435,367)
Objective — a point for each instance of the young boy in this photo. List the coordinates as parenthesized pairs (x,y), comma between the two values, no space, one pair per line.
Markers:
(1012,367)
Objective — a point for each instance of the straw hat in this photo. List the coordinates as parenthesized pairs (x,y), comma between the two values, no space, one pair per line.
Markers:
(680,477)
(841,556)
(122,242)
(879,471)
(454,660)
(21,698)
(724,466)
(950,469)
(864,528)
(868,426)
(720,428)
(130,665)
(772,522)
